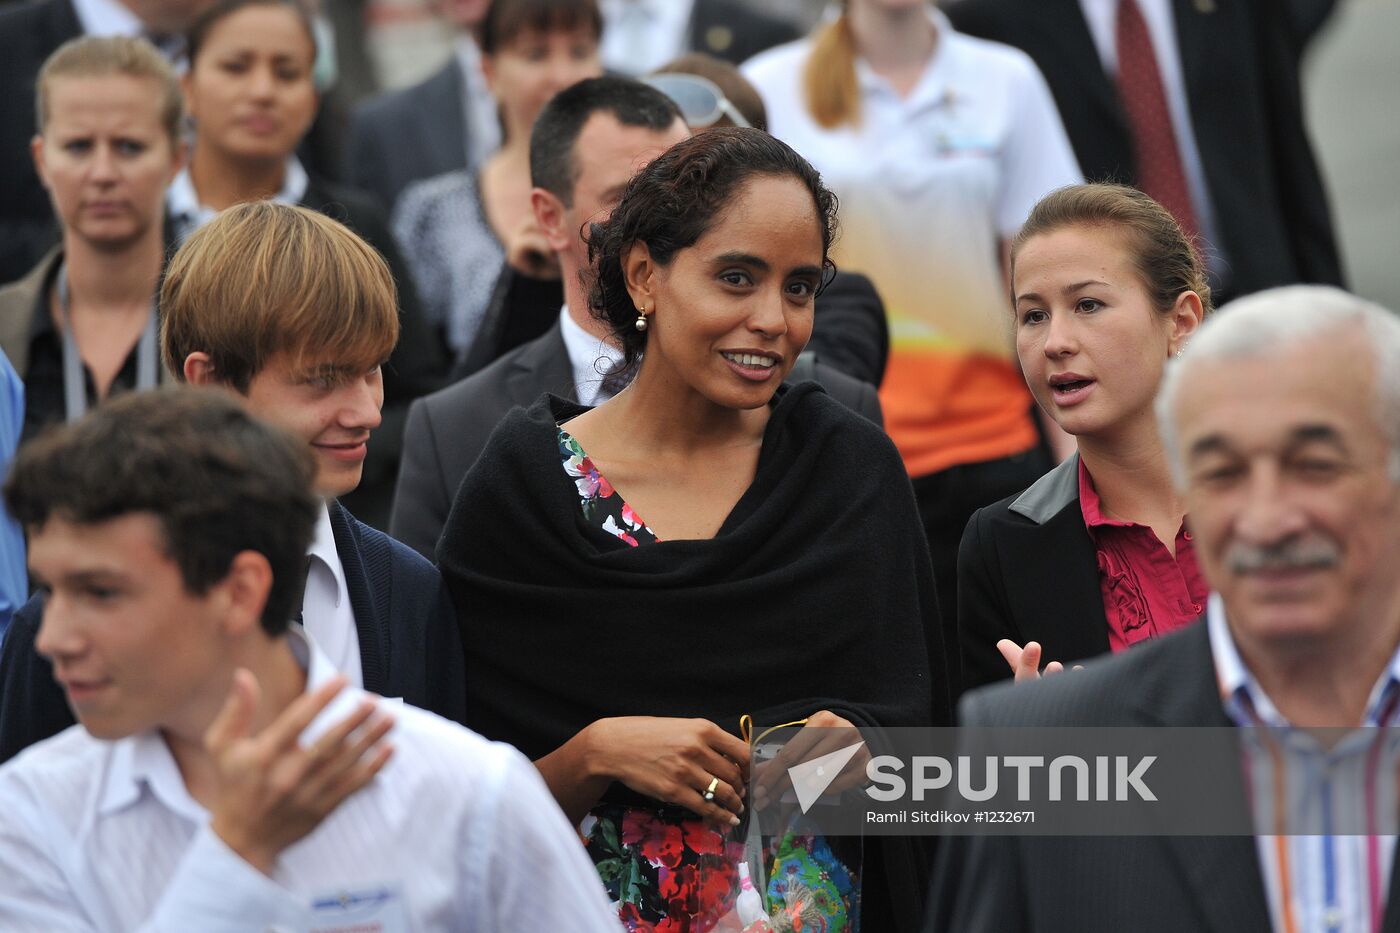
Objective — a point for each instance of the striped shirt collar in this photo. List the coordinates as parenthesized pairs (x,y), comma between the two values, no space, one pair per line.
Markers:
(1245,701)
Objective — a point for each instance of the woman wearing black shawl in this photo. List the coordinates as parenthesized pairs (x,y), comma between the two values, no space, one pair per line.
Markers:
(634,578)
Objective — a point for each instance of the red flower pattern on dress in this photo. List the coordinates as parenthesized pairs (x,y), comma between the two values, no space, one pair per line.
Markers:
(660,844)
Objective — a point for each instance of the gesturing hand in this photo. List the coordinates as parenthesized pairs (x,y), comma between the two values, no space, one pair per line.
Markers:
(1025,662)
(674,760)
(528,251)
(271,791)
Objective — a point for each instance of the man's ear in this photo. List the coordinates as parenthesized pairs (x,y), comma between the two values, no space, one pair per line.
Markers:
(550,216)
(199,370)
(639,271)
(245,590)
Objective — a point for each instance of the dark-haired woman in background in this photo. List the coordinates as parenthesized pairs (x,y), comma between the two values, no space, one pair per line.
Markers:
(1094,556)
(460,229)
(705,545)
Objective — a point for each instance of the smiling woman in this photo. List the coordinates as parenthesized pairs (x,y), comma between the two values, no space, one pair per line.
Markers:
(708,543)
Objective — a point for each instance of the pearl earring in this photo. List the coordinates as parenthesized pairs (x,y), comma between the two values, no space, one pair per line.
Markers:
(641,319)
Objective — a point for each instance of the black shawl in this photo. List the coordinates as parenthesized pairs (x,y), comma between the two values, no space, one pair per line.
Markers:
(816,592)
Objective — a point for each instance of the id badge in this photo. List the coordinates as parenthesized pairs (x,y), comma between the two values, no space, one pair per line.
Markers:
(363,910)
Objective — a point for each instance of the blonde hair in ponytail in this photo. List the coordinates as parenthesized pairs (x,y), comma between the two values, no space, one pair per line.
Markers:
(829,78)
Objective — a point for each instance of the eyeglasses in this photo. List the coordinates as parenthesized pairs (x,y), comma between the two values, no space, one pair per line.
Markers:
(699,100)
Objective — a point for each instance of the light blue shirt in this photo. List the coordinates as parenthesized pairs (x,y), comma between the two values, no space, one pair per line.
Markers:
(1331,883)
(14,582)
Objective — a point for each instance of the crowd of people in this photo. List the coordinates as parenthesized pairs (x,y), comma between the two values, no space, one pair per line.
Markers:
(410,516)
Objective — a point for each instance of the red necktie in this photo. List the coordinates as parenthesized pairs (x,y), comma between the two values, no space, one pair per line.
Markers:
(1159,169)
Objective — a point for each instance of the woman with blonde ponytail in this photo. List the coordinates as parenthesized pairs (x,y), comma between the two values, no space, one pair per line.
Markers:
(938,145)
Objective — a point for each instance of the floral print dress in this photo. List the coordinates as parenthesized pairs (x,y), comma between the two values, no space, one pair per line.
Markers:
(668,870)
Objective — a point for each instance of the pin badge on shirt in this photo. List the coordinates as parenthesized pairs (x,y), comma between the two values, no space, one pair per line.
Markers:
(377,909)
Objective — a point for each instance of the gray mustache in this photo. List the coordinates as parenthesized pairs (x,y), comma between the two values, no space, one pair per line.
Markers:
(1298,554)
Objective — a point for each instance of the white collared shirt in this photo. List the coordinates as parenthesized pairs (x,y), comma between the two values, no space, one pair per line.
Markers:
(107,18)
(455,833)
(639,36)
(1329,878)
(1102,17)
(325,605)
(479,110)
(589,357)
(189,214)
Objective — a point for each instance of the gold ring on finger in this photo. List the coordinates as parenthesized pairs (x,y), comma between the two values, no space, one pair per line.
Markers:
(709,794)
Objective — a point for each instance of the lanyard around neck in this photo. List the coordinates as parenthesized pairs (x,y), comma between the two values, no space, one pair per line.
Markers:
(74,383)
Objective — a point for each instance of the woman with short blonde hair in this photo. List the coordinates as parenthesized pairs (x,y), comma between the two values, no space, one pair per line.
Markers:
(81,326)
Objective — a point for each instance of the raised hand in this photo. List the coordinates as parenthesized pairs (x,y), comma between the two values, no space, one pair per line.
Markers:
(528,251)
(1025,662)
(271,791)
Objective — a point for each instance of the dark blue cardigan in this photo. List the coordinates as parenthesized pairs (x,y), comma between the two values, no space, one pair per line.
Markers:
(410,644)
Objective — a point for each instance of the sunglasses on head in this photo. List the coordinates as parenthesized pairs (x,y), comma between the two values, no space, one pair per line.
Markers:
(699,100)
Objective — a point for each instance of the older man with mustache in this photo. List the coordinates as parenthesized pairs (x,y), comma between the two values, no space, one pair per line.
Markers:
(1283,423)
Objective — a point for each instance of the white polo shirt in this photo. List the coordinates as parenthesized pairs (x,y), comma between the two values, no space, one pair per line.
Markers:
(930,183)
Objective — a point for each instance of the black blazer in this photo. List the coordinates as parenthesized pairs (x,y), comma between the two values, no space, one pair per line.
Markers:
(1163,884)
(29,33)
(736,31)
(402,136)
(1240,67)
(1028,571)
(448,430)
(410,643)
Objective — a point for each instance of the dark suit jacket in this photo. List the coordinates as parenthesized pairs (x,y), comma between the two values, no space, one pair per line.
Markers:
(850,331)
(29,33)
(1163,884)
(1027,570)
(735,31)
(1240,66)
(410,644)
(405,135)
(448,430)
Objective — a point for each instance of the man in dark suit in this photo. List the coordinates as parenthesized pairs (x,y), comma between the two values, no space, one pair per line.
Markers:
(377,609)
(1231,84)
(29,33)
(445,123)
(586,144)
(1274,421)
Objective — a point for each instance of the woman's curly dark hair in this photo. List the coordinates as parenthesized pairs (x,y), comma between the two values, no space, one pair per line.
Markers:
(671,203)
